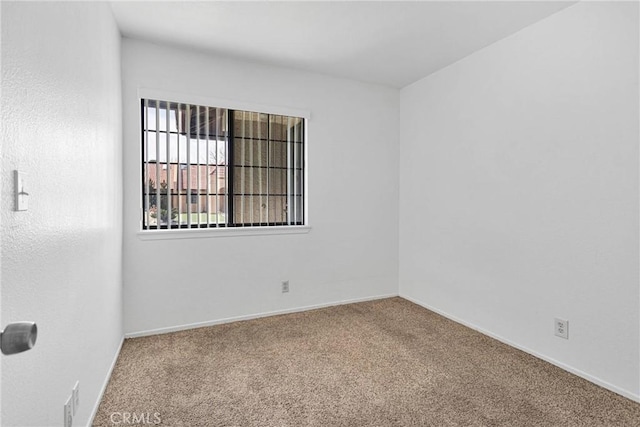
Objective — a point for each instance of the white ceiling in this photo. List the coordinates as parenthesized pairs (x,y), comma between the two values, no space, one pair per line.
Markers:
(387,42)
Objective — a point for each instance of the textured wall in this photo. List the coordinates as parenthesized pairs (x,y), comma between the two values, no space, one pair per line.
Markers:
(351,250)
(61,259)
(519,190)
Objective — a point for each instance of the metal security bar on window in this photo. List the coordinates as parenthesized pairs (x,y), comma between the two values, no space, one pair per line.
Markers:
(208,167)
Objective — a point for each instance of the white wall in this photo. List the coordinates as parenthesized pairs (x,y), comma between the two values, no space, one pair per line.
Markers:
(351,251)
(1,192)
(61,259)
(519,191)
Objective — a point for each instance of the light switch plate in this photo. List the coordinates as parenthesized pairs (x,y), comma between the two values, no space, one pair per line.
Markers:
(22,196)
(68,412)
(75,394)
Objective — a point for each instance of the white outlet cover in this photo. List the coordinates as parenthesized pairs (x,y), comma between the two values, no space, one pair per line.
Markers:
(561,327)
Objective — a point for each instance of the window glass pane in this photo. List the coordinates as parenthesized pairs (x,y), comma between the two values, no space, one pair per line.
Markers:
(238,209)
(297,155)
(298,216)
(278,154)
(254,182)
(277,209)
(277,182)
(223,205)
(179,202)
(161,118)
(150,147)
(277,128)
(247,152)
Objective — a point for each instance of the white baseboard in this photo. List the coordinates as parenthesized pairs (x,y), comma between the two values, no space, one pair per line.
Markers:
(586,376)
(104,385)
(252,316)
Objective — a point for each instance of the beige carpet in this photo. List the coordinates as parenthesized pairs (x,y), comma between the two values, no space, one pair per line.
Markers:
(380,363)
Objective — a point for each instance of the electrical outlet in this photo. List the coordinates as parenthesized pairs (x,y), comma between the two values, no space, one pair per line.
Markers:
(285,286)
(68,412)
(562,328)
(76,397)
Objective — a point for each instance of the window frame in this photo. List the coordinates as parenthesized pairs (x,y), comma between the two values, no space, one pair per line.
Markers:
(223,231)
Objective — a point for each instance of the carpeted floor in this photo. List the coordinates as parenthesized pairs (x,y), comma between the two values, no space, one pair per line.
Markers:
(381,363)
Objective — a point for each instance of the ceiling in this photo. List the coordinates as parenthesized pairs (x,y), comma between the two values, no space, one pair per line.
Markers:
(387,42)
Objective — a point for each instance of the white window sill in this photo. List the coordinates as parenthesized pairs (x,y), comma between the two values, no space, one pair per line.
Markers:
(205,233)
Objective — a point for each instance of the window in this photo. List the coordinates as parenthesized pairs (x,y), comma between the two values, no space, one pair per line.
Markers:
(209,167)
